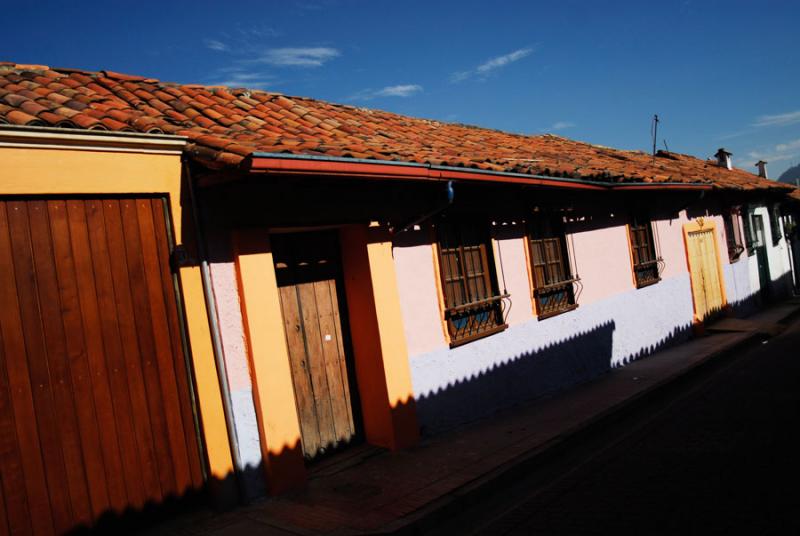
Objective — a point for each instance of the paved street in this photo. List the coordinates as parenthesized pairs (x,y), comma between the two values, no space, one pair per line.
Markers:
(715,454)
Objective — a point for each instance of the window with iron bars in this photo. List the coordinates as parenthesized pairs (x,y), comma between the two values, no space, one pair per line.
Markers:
(553,281)
(473,306)
(733,234)
(645,260)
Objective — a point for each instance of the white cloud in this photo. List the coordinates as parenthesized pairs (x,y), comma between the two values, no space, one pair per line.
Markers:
(297,56)
(793,145)
(732,135)
(780,152)
(491,65)
(401,90)
(404,90)
(460,76)
(213,44)
(561,125)
(502,61)
(778,120)
(236,77)
(257,32)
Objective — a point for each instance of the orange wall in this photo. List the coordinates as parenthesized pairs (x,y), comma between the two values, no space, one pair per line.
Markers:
(379,345)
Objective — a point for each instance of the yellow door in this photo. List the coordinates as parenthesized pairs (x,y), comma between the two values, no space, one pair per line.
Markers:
(704,270)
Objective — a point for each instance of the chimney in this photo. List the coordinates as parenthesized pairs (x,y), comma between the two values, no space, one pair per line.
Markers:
(724,158)
(762,169)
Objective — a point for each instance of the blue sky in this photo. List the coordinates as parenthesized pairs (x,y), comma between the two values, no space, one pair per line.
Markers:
(717,73)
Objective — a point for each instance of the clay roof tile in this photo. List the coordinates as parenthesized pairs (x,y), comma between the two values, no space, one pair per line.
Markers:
(227,124)
(120,76)
(19,117)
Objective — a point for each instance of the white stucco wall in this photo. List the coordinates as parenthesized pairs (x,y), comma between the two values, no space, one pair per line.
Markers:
(234,345)
(777,256)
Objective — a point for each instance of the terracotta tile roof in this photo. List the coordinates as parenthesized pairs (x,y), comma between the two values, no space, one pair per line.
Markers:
(224,125)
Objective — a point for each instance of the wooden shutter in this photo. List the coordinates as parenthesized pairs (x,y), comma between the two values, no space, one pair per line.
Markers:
(473,306)
(645,262)
(552,278)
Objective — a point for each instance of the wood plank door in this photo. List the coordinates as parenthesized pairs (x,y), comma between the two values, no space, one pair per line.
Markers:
(96,418)
(308,271)
(704,272)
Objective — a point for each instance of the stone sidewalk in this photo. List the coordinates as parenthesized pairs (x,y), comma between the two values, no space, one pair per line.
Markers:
(371,491)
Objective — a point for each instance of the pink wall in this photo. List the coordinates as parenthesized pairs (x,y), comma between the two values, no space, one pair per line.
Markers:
(722,240)
(603,259)
(673,245)
(600,249)
(673,248)
(419,301)
(510,246)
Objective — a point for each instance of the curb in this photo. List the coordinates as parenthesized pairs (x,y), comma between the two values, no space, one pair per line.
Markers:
(470,493)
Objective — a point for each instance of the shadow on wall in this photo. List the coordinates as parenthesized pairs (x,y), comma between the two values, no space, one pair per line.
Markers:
(777,290)
(678,335)
(528,376)
(780,287)
(747,306)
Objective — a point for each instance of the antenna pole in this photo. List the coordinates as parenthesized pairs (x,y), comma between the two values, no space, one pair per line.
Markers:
(655,134)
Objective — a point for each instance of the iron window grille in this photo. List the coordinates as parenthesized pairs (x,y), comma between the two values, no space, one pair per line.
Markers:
(473,306)
(733,234)
(646,262)
(553,280)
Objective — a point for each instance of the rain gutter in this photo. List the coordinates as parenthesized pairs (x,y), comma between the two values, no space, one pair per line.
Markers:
(292,164)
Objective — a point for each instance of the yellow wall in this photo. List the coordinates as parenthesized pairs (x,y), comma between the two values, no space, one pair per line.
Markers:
(40,171)
(65,171)
(270,369)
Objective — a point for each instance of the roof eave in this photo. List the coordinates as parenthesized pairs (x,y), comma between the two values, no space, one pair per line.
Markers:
(293,164)
(90,140)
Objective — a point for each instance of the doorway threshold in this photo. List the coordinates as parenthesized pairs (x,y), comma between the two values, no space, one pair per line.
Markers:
(341,461)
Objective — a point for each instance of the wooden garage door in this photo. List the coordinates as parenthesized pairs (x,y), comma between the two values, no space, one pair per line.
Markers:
(95,409)
(704,271)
